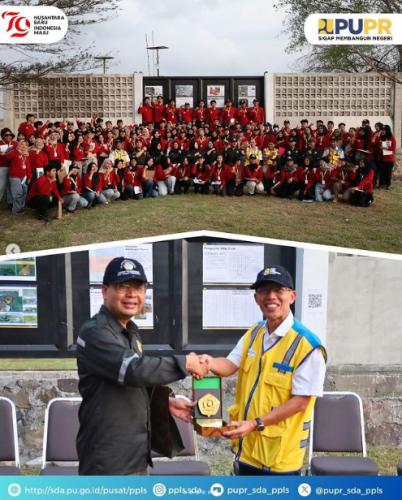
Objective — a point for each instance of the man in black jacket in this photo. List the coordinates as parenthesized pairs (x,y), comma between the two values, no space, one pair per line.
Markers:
(114,377)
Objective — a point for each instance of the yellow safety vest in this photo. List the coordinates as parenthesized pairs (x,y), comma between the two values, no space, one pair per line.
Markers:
(265,382)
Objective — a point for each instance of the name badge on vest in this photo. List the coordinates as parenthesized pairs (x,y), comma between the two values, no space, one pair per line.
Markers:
(250,352)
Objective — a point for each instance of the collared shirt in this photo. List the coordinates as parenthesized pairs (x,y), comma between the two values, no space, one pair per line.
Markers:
(308,378)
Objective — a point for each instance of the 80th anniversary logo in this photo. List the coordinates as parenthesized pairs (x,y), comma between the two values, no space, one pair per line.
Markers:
(32,24)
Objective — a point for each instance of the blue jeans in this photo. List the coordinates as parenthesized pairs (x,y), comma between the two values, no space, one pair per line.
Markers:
(110,194)
(322,193)
(73,201)
(18,193)
(148,189)
(167,186)
(91,196)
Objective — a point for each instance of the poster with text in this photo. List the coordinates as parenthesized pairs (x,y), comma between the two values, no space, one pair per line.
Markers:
(100,257)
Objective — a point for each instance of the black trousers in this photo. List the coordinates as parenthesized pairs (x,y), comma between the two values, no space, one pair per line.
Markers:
(202,188)
(287,189)
(181,186)
(385,173)
(242,469)
(129,193)
(233,189)
(42,204)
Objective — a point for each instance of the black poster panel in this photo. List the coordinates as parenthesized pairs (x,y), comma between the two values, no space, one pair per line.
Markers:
(49,338)
(80,290)
(152,84)
(158,339)
(212,89)
(220,341)
(244,87)
(185,90)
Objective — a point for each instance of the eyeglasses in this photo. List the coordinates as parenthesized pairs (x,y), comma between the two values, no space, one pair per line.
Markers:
(128,286)
(280,290)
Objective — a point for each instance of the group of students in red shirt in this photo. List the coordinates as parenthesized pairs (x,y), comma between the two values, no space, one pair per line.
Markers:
(156,111)
(205,149)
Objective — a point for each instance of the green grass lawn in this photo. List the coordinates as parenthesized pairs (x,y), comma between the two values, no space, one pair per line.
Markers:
(386,458)
(376,228)
(23,364)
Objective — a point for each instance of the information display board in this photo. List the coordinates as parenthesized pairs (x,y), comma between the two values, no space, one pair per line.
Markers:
(98,260)
(184,94)
(100,257)
(231,264)
(228,270)
(216,93)
(229,308)
(18,306)
(18,270)
(247,93)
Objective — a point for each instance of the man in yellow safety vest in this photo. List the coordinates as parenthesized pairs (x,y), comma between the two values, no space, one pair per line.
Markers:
(281,367)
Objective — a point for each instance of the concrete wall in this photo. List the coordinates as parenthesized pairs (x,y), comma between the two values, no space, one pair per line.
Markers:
(364,311)
(340,97)
(380,388)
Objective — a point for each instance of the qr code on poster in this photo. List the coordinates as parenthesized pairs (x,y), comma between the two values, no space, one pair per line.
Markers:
(314,300)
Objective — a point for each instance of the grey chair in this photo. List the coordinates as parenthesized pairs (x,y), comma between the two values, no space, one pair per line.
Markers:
(338,427)
(9,451)
(399,469)
(60,432)
(173,467)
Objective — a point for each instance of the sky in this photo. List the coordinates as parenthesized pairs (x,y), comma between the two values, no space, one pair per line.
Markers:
(205,37)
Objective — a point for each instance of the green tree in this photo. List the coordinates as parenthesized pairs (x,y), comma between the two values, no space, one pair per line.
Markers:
(29,62)
(384,59)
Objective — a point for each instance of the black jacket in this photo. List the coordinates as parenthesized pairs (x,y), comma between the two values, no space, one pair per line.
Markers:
(114,435)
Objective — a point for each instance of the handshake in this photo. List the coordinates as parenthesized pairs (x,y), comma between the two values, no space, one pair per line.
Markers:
(198,365)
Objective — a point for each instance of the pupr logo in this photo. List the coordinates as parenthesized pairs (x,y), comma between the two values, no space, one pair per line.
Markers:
(359,26)
(18,25)
(325,26)
(354,29)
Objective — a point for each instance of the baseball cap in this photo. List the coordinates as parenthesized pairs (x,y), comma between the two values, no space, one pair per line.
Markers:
(121,269)
(274,274)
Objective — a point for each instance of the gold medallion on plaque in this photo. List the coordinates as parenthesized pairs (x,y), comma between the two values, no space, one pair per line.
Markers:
(209,405)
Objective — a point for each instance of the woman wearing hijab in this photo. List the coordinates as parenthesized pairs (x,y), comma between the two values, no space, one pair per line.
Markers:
(109,181)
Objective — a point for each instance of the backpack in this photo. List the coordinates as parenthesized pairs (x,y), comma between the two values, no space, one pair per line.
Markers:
(361,198)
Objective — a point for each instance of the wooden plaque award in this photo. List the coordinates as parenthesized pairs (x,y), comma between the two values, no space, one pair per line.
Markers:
(208,412)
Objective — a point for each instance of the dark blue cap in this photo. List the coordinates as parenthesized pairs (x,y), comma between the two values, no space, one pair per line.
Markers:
(274,274)
(121,269)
